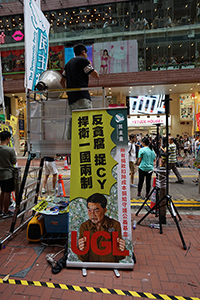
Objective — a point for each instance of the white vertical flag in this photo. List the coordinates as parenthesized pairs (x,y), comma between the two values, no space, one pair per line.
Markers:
(36,43)
(1,87)
(38,3)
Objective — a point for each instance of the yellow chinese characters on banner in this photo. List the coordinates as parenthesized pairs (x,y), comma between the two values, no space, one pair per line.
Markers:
(91,171)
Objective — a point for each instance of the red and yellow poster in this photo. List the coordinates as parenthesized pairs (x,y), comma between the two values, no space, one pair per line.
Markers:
(5,127)
(198,120)
(100,216)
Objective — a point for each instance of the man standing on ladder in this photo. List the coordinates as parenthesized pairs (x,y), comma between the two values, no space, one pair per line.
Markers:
(76,75)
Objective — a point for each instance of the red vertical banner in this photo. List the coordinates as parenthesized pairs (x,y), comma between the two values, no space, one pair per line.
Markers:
(198,120)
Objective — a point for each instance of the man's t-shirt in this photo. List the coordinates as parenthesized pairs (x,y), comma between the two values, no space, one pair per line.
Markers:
(76,72)
(109,225)
(7,160)
(48,158)
(172,157)
(132,151)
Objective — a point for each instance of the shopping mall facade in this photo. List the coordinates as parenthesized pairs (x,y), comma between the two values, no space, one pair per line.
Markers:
(153,49)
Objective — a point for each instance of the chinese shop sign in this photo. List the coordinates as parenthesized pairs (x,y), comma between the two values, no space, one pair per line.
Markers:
(198,120)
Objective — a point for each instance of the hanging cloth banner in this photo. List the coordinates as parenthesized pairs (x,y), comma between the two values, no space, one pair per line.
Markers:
(198,120)
(36,43)
(38,3)
(100,233)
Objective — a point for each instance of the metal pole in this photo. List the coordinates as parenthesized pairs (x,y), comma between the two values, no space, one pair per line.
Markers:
(28,120)
(103,95)
(167,99)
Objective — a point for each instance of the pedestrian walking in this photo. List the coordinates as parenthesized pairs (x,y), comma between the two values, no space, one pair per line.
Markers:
(50,169)
(146,158)
(172,159)
(132,157)
(7,160)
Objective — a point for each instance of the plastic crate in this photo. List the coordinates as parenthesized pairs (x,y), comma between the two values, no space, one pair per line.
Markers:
(56,224)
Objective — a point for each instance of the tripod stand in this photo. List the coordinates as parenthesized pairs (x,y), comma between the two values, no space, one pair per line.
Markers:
(167,198)
(156,188)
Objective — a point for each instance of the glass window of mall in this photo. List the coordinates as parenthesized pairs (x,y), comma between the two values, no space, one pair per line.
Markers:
(167,32)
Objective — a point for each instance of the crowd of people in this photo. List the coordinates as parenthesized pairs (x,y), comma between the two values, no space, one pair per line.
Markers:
(147,152)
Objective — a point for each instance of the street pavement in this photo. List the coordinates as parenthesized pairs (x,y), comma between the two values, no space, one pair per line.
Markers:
(163,269)
(185,195)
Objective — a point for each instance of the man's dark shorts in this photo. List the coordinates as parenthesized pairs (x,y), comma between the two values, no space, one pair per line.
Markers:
(8,185)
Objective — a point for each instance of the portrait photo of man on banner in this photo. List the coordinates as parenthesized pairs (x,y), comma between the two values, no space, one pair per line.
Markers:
(100,233)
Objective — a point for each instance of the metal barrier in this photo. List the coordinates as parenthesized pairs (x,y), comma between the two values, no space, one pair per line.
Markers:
(48,117)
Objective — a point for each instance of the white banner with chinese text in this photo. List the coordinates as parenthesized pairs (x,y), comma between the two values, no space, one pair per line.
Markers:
(36,43)
(100,233)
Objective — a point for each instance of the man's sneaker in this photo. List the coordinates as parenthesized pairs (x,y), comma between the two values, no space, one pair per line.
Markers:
(1,213)
(133,185)
(179,181)
(138,194)
(53,190)
(43,191)
(8,215)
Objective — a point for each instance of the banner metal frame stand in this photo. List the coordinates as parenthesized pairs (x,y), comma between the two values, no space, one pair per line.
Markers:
(169,203)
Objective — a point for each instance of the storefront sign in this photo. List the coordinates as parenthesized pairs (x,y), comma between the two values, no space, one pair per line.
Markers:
(198,120)
(145,121)
(186,107)
(18,36)
(2,38)
(152,104)
(13,123)
(100,173)
(5,127)
(55,57)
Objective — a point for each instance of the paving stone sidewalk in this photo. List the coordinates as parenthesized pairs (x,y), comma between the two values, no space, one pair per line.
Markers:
(162,267)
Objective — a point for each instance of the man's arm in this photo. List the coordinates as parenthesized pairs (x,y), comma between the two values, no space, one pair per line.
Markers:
(139,161)
(82,243)
(94,74)
(121,244)
(13,157)
(63,82)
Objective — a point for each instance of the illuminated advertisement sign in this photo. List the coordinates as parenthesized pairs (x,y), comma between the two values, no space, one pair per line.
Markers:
(2,38)
(116,56)
(69,53)
(186,107)
(18,36)
(152,104)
